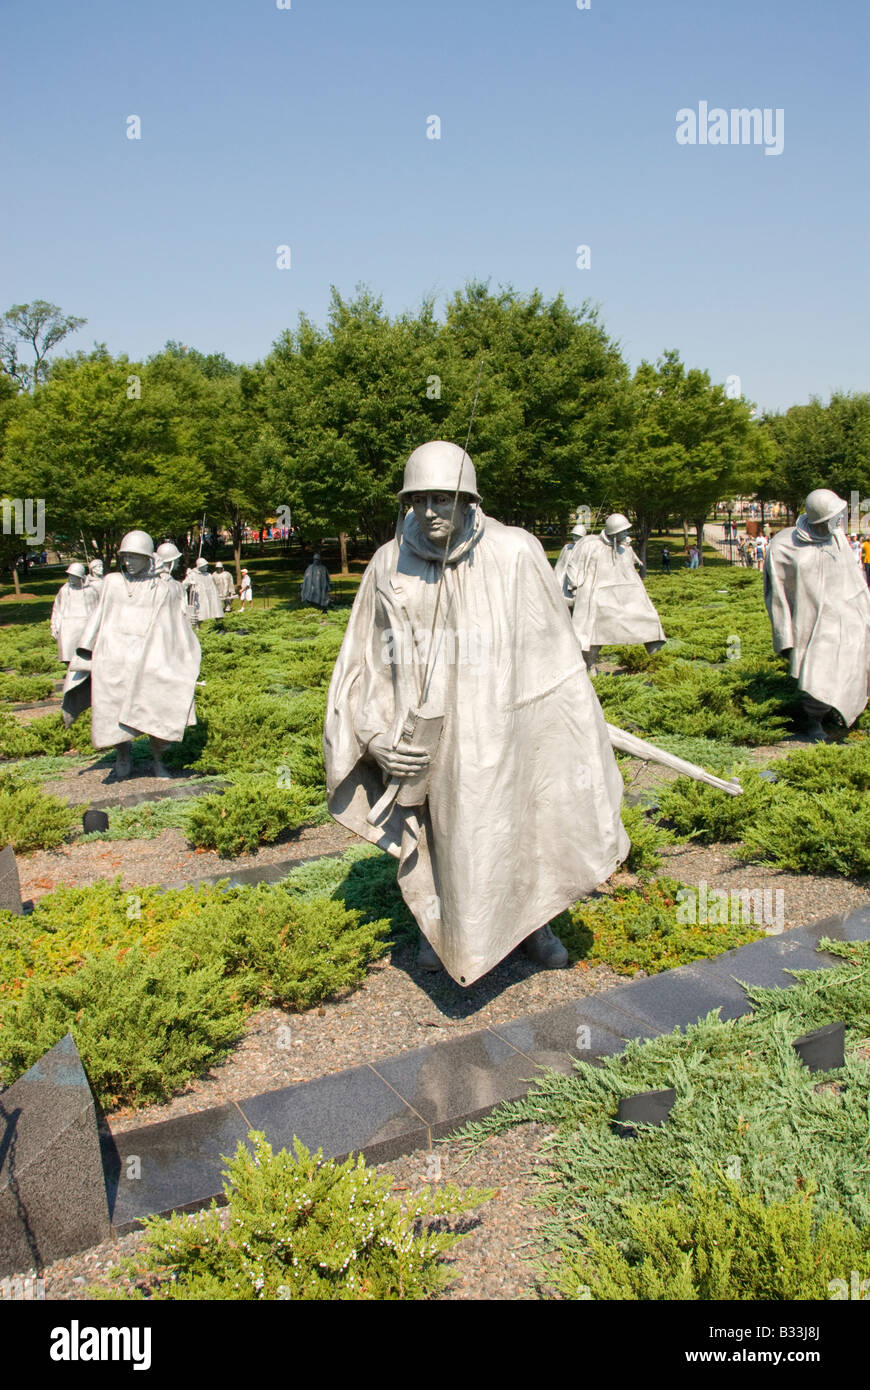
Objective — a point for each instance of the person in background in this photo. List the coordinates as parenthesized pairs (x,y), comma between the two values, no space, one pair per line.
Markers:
(245,592)
(666,559)
(865,554)
(855,547)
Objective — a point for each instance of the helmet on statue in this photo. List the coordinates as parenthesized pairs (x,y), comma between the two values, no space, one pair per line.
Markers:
(136,543)
(823,505)
(616,524)
(76,569)
(435,467)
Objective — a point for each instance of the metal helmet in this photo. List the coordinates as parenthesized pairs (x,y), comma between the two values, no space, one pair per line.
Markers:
(168,551)
(77,569)
(202,563)
(218,566)
(95,566)
(615,524)
(579,530)
(136,543)
(822,505)
(434,467)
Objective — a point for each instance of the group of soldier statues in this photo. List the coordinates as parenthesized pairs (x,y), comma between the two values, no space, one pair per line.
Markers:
(490,776)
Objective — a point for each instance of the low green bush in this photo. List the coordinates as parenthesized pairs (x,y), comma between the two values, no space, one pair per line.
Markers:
(25,689)
(251,812)
(144,1024)
(646,838)
(720,1244)
(298,1227)
(746,1109)
(44,735)
(822,832)
(696,811)
(122,970)
(637,929)
(29,819)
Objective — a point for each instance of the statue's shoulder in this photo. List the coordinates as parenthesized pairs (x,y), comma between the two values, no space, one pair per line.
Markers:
(509,540)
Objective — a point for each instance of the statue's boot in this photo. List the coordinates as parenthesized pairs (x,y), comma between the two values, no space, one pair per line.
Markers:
(545,948)
(815,712)
(427,958)
(158,748)
(592,657)
(123,762)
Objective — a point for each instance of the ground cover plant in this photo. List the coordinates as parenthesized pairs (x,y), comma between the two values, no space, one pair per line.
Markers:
(716,676)
(747,1111)
(299,1227)
(155,986)
(809,812)
(31,820)
(637,929)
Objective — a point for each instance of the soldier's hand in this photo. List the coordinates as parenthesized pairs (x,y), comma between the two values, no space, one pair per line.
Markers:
(398,762)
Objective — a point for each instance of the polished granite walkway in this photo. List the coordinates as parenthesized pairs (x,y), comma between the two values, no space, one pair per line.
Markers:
(394,1106)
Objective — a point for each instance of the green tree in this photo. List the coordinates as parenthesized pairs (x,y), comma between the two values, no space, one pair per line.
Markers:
(41,326)
(687,447)
(348,405)
(109,448)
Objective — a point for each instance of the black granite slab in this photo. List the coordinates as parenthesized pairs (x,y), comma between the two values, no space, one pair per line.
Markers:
(460,1080)
(766,962)
(10,885)
(403,1103)
(179,1164)
(53,1199)
(585,1030)
(677,997)
(351,1111)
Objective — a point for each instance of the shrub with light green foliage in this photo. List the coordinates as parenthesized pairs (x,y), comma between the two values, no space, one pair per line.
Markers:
(45,734)
(646,838)
(720,1244)
(819,832)
(24,689)
(300,1227)
(637,929)
(742,1094)
(251,812)
(144,1024)
(699,812)
(29,819)
(154,985)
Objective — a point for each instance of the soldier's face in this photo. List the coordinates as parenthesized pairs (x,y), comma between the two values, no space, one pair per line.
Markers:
(134,564)
(433,511)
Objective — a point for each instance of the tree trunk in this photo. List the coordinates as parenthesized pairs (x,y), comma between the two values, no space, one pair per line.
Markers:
(15,579)
(342,541)
(686,532)
(699,532)
(236,529)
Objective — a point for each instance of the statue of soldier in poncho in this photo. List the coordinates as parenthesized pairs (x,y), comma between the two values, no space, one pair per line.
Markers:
(316,585)
(203,600)
(819,608)
(462,733)
(226,589)
(95,575)
(74,603)
(611,605)
(578,531)
(141,658)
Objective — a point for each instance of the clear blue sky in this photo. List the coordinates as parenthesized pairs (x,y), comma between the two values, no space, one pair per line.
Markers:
(307,127)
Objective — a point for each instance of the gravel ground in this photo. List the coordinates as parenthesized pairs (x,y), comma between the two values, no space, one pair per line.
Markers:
(167,859)
(490,1263)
